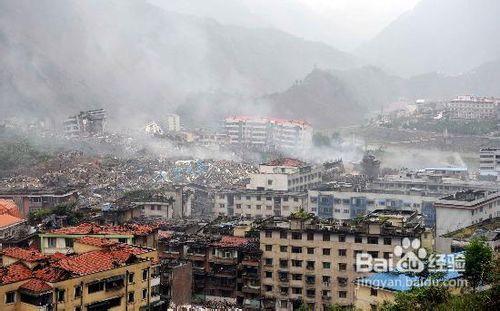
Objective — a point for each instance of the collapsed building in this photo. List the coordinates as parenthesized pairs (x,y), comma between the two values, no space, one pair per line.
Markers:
(86,123)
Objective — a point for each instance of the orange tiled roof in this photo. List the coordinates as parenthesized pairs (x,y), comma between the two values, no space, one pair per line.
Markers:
(28,255)
(93,262)
(51,274)
(57,256)
(231,241)
(90,229)
(95,241)
(8,220)
(36,286)
(14,273)
(9,207)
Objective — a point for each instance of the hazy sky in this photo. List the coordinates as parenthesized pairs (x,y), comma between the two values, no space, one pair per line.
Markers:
(344,24)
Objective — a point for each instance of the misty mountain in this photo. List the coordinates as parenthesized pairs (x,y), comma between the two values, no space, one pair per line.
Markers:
(329,98)
(447,36)
(138,60)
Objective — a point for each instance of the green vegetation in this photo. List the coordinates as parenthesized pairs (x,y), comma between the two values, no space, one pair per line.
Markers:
(301,214)
(15,153)
(73,216)
(478,262)
(461,127)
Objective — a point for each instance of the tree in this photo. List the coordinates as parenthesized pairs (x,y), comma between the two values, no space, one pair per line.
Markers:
(478,262)
(426,298)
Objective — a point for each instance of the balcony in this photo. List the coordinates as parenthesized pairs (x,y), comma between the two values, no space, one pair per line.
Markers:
(326,298)
(223,260)
(251,289)
(250,262)
(195,256)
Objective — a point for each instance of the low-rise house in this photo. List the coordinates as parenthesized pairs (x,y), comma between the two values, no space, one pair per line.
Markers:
(32,200)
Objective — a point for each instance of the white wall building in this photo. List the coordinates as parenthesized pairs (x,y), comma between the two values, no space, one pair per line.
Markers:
(489,163)
(463,209)
(268,133)
(172,123)
(286,175)
(473,107)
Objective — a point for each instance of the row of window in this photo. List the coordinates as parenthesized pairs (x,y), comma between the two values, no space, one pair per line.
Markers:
(311,292)
(310,236)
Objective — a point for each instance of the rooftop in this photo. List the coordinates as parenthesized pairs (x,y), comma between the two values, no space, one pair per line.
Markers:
(36,286)
(8,220)
(285,162)
(94,229)
(95,241)
(468,198)
(28,255)
(9,207)
(231,242)
(14,273)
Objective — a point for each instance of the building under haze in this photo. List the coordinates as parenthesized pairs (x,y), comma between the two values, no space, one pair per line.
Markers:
(268,133)
(172,123)
(471,107)
(489,163)
(86,123)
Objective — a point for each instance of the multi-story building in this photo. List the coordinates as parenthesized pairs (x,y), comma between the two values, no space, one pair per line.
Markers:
(258,204)
(86,123)
(268,133)
(348,205)
(286,174)
(226,269)
(176,283)
(473,107)
(62,240)
(463,209)
(489,164)
(172,123)
(313,262)
(31,200)
(100,275)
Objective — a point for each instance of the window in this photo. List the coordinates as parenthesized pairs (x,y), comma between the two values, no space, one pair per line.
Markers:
(238,206)
(258,198)
(387,255)
(78,291)
(269,234)
(372,240)
(155,290)
(144,293)
(326,251)
(326,236)
(326,279)
(283,235)
(296,235)
(373,292)
(342,294)
(342,281)
(283,263)
(297,277)
(296,263)
(310,236)
(296,290)
(145,273)
(296,250)
(310,265)
(269,248)
(342,266)
(131,277)
(122,240)
(326,265)
(78,308)
(269,182)
(374,254)
(60,294)
(283,248)
(10,297)
(258,206)
(387,241)
(341,238)
(52,242)
(95,287)
(342,252)
(68,242)
(356,252)
(269,274)
(130,297)
(358,239)
(268,288)
(310,250)
(158,207)
(269,262)
(248,198)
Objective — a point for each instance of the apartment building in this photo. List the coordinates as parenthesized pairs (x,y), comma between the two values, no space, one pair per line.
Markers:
(489,164)
(62,240)
(268,133)
(348,205)
(463,209)
(258,204)
(309,261)
(31,200)
(286,174)
(100,275)
(172,123)
(226,269)
(471,107)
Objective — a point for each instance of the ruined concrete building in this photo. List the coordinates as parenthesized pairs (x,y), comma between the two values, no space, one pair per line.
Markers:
(86,123)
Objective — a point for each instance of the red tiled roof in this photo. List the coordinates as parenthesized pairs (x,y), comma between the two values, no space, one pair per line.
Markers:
(36,286)
(231,241)
(57,256)
(14,273)
(91,229)
(95,241)
(93,262)
(8,220)
(28,255)
(164,234)
(9,207)
(51,274)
